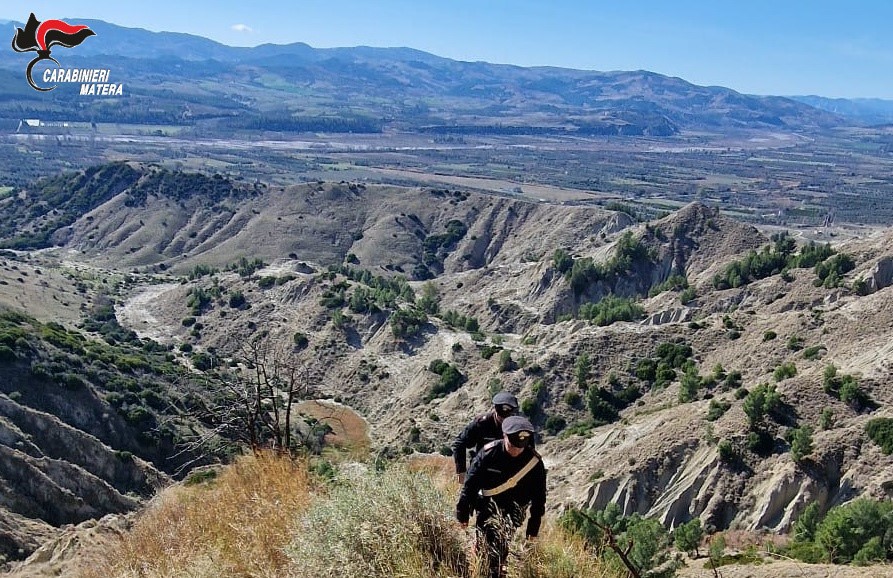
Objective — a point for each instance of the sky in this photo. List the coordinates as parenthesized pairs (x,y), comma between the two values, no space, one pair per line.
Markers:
(841,49)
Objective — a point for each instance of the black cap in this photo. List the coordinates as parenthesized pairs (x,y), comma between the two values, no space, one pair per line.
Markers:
(505,398)
(516,423)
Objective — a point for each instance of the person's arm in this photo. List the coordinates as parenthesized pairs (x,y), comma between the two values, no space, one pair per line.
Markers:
(537,501)
(464,440)
(469,494)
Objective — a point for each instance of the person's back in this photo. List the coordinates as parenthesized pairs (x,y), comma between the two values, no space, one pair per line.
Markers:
(482,430)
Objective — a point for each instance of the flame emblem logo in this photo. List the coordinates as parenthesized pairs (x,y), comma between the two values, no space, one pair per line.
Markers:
(41,37)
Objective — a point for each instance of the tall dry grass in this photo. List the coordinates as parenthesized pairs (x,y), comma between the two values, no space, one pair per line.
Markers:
(266,516)
(236,525)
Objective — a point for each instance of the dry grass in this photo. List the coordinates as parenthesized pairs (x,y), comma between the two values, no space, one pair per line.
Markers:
(266,517)
(235,526)
(558,555)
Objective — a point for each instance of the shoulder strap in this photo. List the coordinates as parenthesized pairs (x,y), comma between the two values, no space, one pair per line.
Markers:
(512,481)
(490,445)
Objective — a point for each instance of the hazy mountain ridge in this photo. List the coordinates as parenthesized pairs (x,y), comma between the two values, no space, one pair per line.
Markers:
(189,79)
(867,110)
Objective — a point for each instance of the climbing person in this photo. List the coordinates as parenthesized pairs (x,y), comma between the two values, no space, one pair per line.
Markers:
(505,477)
(482,430)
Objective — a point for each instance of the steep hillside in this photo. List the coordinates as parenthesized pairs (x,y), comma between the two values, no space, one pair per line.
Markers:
(663,456)
(671,365)
(90,424)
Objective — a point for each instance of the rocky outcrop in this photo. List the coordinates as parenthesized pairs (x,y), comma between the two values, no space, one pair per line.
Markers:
(880,276)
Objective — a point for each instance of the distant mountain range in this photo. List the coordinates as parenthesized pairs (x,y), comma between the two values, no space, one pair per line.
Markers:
(182,79)
(868,110)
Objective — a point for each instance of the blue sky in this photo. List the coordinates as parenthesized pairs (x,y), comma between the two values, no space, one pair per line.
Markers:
(782,47)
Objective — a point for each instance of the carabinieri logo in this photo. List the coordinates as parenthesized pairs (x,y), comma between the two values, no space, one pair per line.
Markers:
(41,37)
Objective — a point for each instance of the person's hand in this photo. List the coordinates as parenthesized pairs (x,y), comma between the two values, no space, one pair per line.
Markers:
(460,478)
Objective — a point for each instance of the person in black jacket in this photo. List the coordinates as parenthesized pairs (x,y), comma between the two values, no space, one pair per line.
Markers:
(482,430)
(505,478)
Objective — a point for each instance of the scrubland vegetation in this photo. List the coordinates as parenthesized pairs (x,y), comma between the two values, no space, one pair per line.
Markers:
(269,515)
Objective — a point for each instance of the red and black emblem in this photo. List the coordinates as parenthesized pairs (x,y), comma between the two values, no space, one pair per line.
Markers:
(41,37)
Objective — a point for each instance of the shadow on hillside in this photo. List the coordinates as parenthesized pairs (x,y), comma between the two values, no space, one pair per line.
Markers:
(410,344)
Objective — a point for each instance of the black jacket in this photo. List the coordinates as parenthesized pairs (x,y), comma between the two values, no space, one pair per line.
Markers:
(479,432)
(492,467)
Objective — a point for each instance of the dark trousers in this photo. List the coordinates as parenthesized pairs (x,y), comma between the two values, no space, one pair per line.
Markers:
(495,529)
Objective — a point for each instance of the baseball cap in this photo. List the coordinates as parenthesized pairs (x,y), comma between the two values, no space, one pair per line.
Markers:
(505,398)
(516,424)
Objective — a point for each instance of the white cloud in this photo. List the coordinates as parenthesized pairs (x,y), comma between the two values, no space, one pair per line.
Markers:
(242,28)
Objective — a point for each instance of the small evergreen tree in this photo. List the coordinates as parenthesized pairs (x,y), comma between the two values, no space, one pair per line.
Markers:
(687,537)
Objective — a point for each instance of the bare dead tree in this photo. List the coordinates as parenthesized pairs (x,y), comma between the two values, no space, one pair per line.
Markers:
(252,402)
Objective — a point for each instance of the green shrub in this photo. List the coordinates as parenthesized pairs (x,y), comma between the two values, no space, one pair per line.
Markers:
(599,401)
(572,398)
(450,379)
(300,340)
(801,443)
(236,299)
(555,423)
(610,310)
(407,323)
(806,524)
(872,552)
(645,540)
(266,282)
(202,476)
(687,537)
(529,406)
(202,361)
(582,367)
(689,384)
(808,552)
(488,351)
(769,335)
(814,352)
(506,363)
(673,283)
(732,380)
(760,442)
(688,295)
(847,529)
(830,273)
(785,371)
(717,409)
(763,400)
(826,421)
(880,431)
(726,451)
(438,366)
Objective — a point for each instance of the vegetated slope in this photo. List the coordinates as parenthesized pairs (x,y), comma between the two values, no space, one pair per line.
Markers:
(636,439)
(88,425)
(518,293)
